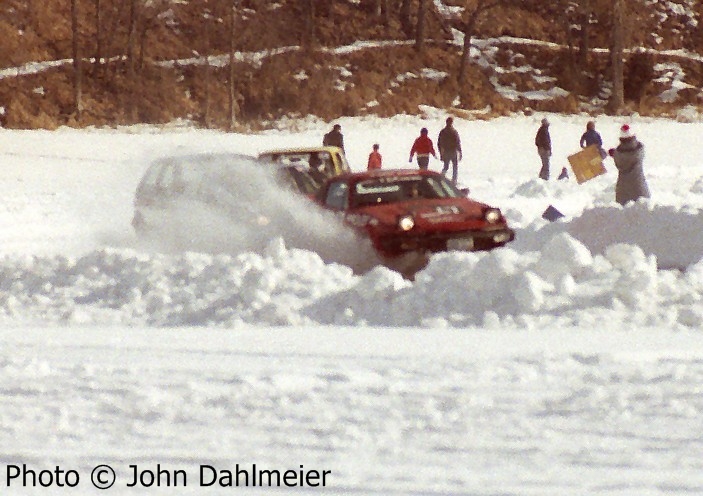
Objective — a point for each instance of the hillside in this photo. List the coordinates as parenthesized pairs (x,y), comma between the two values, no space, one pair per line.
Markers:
(525,57)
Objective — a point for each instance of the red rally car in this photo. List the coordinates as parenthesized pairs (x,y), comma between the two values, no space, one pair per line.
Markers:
(414,211)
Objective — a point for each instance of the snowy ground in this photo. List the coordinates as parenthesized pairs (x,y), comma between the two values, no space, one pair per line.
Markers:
(567,363)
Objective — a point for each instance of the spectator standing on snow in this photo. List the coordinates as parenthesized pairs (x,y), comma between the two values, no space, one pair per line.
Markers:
(544,148)
(375,158)
(592,137)
(334,137)
(449,146)
(629,160)
(424,148)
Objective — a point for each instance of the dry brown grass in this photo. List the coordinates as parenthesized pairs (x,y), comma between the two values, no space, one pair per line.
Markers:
(297,83)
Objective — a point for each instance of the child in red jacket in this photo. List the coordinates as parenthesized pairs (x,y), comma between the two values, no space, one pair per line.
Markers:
(375,159)
(424,148)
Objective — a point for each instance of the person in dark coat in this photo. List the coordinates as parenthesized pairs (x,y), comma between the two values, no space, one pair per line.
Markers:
(334,137)
(423,147)
(592,137)
(449,146)
(544,148)
(629,159)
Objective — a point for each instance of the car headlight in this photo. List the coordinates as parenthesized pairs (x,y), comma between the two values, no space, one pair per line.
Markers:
(406,222)
(492,215)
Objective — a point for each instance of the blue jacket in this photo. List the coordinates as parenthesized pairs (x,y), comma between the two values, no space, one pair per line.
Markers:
(591,137)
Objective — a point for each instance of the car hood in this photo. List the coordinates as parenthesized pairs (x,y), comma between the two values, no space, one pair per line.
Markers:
(429,213)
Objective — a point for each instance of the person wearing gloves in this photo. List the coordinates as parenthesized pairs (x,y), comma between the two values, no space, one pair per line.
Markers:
(592,137)
(424,148)
(629,160)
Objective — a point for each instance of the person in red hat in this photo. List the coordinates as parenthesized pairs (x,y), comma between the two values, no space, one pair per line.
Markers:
(629,160)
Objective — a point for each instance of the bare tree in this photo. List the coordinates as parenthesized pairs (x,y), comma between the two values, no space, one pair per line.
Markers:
(98,34)
(113,19)
(77,69)
(404,16)
(420,29)
(468,28)
(385,11)
(203,50)
(584,11)
(379,8)
(233,104)
(617,98)
(131,60)
(308,23)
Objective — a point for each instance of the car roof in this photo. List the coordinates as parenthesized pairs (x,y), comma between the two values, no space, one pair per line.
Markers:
(380,173)
(302,149)
(205,160)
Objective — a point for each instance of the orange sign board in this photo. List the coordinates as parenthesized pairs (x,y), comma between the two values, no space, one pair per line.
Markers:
(587,164)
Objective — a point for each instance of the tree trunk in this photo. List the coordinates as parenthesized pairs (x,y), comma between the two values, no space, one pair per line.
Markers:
(98,34)
(617,98)
(584,47)
(385,12)
(132,61)
(420,30)
(466,49)
(77,69)
(571,50)
(309,24)
(468,29)
(111,42)
(404,16)
(232,46)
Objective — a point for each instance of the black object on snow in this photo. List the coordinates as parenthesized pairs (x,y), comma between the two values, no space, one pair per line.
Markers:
(552,214)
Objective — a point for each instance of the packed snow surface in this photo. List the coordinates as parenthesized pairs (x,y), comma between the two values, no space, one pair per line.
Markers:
(568,362)
(70,255)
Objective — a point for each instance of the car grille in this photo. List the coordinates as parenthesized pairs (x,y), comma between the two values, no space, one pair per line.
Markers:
(469,241)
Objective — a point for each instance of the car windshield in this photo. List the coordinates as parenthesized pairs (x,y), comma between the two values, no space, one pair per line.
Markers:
(314,160)
(300,179)
(400,189)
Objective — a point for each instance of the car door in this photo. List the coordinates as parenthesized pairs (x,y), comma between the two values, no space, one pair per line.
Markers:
(337,196)
(157,194)
(147,199)
(340,164)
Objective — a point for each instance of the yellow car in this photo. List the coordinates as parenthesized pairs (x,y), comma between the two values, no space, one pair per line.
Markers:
(317,162)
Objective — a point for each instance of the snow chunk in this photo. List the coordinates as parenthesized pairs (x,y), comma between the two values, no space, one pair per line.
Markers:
(563,255)
(637,284)
(528,292)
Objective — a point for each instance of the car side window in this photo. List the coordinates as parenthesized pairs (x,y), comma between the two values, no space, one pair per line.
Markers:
(151,176)
(343,166)
(327,164)
(167,179)
(337,196)
(192,177)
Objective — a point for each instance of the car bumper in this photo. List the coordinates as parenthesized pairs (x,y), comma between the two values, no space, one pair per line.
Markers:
(463,241)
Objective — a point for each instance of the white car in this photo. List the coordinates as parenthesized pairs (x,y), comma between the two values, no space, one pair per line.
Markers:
(225,183)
